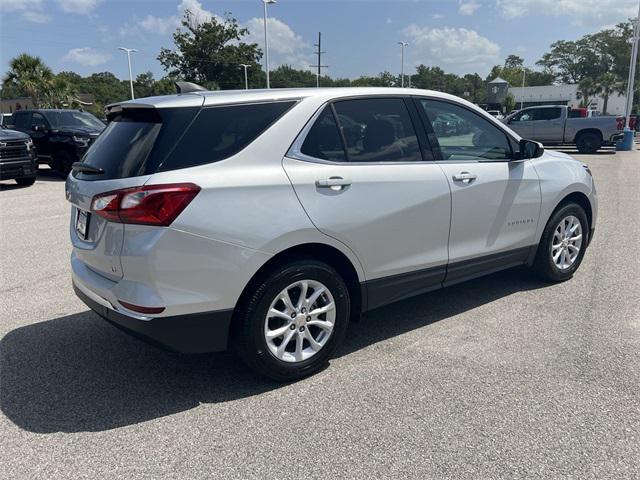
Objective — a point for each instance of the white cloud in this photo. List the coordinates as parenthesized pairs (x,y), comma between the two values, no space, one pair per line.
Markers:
(160,25)
(437,16)
(388,21)
(581,11)
(285,45)
(86,56)
(30,10)
(81,7)
(468,7)
(458,49)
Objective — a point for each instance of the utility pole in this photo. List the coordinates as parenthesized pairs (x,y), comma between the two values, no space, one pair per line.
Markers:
(246,78)
(402,45)
(129,51)
(319,66)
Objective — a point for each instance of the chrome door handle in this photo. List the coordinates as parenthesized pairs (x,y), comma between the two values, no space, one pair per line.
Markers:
(465,177)
(334,183)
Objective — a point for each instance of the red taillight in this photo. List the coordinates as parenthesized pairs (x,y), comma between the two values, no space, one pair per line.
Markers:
(139,309)
(156,205)
(620,121)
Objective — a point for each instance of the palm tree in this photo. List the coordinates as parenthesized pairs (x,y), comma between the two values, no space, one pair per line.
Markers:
(59,93)
(30,75)
(607,85)
(588,88)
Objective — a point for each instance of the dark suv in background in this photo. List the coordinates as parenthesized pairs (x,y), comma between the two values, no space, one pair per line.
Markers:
(61,137)
(17,157)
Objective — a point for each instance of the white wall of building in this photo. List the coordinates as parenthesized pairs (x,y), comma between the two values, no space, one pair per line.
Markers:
(568,94)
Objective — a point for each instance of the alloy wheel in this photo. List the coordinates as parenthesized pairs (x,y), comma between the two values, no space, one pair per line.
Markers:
(566,242)
(300,321)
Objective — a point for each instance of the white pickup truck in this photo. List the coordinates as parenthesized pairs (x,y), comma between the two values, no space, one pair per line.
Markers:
(551,125)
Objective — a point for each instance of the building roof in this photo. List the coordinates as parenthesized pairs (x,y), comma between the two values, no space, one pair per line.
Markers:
(498,80)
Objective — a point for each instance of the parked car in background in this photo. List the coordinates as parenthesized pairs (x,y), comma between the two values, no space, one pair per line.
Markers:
(552,125)
(496,113)
(61,137)
(249,219)
(17,157)
(6,120)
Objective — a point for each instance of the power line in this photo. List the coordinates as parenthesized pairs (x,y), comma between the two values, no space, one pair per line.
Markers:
(319,66)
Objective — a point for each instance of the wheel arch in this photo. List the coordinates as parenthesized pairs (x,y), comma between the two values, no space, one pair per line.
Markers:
(316,251)
(588,130)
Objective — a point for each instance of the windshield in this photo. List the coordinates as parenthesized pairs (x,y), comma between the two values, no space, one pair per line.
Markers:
(73,119)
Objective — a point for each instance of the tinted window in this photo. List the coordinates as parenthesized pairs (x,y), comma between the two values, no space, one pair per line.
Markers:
(38,120)
(465,135)
(7,120)
(220,132)
(323,140)
(549,114)
(378,130)
(136,141)
(22,120)
(524,116)
(71,118)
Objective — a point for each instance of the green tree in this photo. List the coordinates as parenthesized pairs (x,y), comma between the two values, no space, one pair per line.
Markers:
(143,85)
(210,52)
(514,61)
(608,84)
(29,76)
(509,104)
(587,89)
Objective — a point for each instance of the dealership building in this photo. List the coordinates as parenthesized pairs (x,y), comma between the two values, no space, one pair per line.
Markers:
(568,95)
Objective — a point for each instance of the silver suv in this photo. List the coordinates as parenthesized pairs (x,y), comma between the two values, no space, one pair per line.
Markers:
(265,220)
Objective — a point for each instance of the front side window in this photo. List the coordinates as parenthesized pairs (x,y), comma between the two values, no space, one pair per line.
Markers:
(37,120)
(21,120)
(524,116)
(378,130)
(465,135)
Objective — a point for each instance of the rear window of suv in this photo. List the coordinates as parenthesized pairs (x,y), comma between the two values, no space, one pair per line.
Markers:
(147,140)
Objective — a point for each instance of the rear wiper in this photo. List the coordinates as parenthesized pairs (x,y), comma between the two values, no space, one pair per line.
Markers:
(88,169)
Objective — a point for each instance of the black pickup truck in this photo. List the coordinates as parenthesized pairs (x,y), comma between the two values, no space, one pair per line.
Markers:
(61,137)
(17,157)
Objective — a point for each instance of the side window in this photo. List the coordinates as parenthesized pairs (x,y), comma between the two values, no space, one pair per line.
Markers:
(218,133)
(37,119)
(524,116)
(549,114)
(21,120)
(323,139)
(378,130)
(464,135)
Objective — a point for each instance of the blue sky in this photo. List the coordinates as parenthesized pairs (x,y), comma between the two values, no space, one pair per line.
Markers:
(359,35)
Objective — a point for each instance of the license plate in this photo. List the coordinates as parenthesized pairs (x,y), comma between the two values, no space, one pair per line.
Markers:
(82,224)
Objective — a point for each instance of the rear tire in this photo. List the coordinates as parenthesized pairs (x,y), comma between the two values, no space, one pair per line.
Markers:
(567,230)
(589,142)
(259,332)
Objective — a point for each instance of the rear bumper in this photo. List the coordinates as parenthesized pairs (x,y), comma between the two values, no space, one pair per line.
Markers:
(191,333)
(19,168)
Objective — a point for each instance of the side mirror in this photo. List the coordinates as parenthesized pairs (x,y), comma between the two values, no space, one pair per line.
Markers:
(530,149)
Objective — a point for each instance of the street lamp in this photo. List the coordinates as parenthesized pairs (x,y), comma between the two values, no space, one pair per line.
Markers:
(402,45)
(246,79)
(266,39)
(632,69)
(129,51)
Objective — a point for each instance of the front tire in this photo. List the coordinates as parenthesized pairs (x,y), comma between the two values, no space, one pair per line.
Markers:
(290,323)
(563,244)
(62,162)
(26,181)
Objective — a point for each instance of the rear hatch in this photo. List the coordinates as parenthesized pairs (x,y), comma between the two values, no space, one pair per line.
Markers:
(132,147)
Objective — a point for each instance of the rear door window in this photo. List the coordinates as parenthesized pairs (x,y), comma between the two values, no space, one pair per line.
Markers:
(22,120)
(323,140)
(378,130)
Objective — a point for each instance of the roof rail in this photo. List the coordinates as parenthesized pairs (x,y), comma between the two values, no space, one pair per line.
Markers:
(188,87)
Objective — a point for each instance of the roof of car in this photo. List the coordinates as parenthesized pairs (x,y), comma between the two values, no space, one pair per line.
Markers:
(48,110)
(222,97)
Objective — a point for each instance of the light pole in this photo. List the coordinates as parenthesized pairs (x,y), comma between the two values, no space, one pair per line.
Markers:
(129,51)
(266,39)
(246,78)
(632,69)
(402,45)
(524,73)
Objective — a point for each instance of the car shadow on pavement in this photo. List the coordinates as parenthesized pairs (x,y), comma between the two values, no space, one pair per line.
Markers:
(44,175)
(78,373)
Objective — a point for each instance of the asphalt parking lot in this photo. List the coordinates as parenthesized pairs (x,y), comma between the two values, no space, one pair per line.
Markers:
(501,377)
